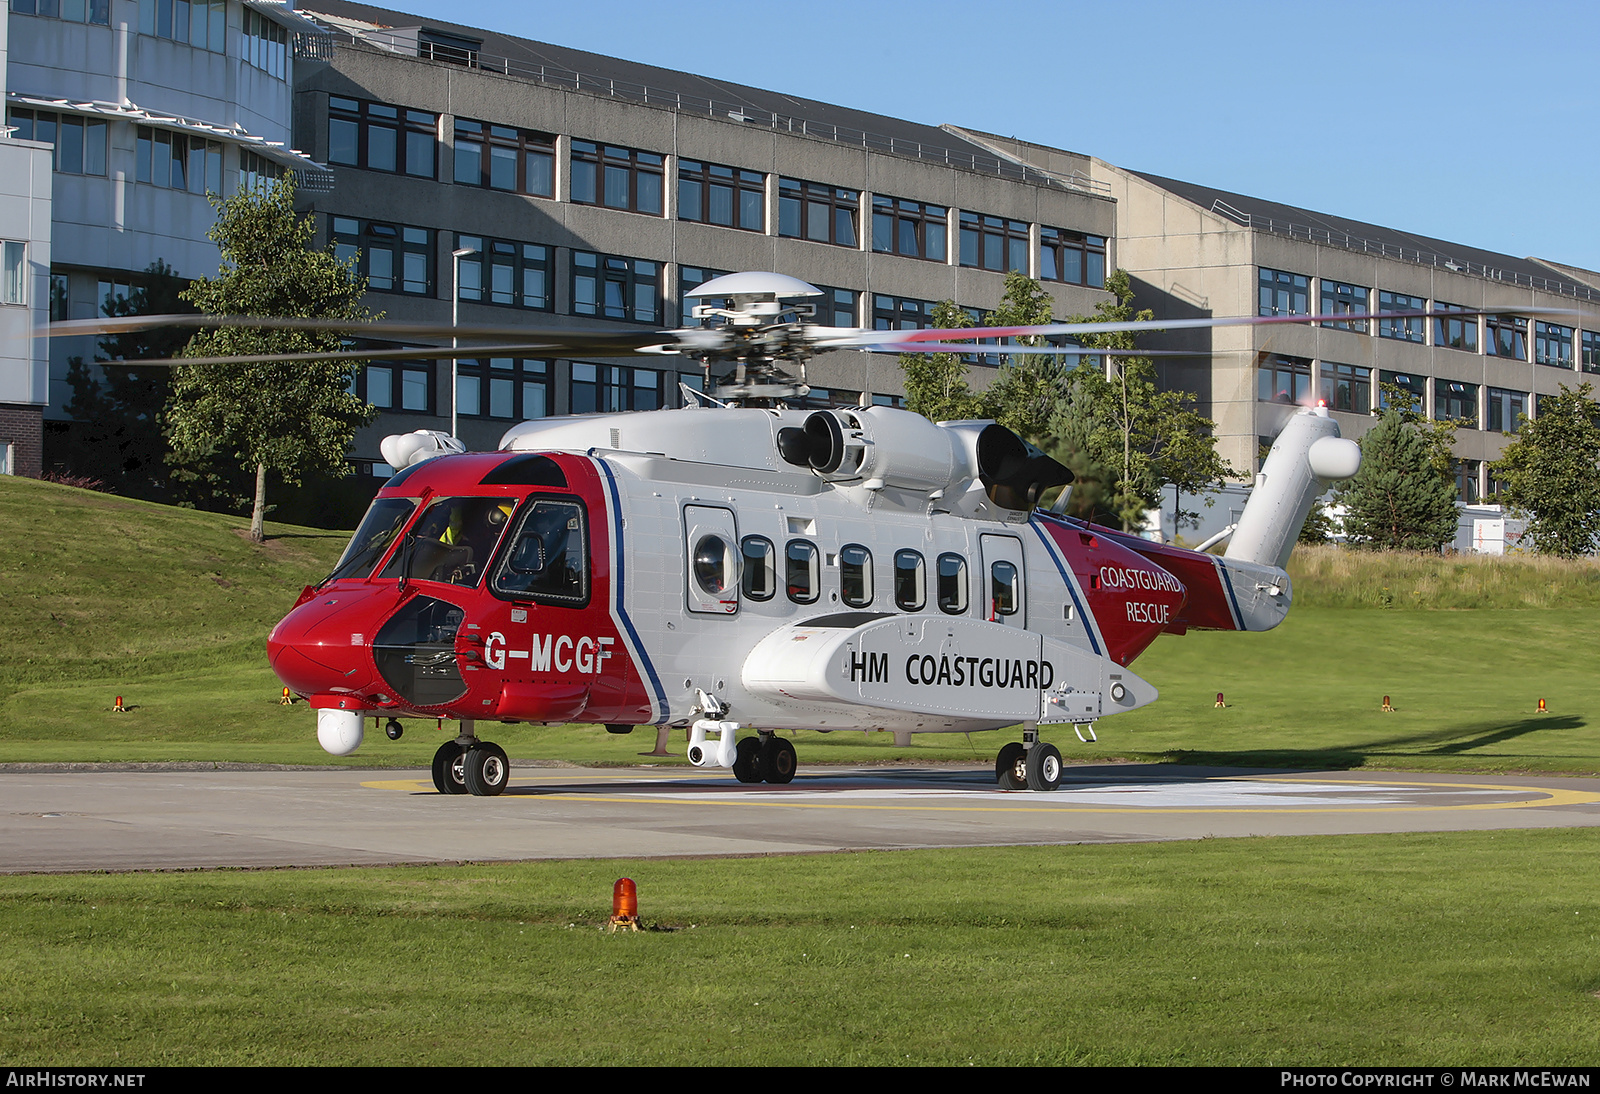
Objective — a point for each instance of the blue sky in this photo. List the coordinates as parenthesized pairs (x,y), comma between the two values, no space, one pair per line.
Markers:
(1473,122)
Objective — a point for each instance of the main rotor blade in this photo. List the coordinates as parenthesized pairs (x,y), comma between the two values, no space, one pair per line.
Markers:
(985,350)
(405,353)
(597,342)
(830,338)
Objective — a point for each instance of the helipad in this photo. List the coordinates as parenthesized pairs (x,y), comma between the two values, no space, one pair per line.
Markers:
(133,819)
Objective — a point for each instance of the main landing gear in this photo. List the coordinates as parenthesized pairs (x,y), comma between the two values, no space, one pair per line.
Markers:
(1028,765)
(467,765)
(764,758)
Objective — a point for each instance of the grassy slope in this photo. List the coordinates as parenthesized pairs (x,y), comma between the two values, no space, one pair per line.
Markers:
(1454,949)
(170,609)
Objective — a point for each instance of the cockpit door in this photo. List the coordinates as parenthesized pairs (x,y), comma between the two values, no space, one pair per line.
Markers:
(711,551)
(1005,598)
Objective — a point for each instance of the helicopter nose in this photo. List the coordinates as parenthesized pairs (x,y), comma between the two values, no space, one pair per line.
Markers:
(319,648)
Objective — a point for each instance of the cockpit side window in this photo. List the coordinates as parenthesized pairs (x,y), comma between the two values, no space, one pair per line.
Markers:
(452,541)
(383,522)
(548,558)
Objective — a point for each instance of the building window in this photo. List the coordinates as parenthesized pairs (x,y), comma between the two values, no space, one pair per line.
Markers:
(502,272)
(901,313)
(1591,351)
(14,273)
(616,288)
(75,11)
(1072,258)
(1505,408)
(1417,386)
(59,298)
(394,385)
(1341,299)
(503,387)
(822,214)
(1552,345)
(1283,293)
(1408,329)
(1505,336)
(379,137)
(1465,473)
(177,161)
(610,389)
(392,257)
(265,44)
(993,243)
(499,157)
(618,178)
(1282,379)
(690,278)
(709,193)
(80,142)
(1454,401)
(256,171)
(1455,333)
(909,228)
(1347,387)
(201,24)
(835,307)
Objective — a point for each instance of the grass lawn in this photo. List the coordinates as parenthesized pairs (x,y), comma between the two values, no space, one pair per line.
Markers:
(1470,948)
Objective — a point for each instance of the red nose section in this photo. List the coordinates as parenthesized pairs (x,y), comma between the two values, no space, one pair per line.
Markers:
(322,645)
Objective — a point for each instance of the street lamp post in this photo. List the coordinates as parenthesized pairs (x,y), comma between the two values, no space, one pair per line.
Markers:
(455,317)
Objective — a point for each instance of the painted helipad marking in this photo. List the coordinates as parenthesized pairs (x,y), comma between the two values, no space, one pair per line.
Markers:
(1285,795)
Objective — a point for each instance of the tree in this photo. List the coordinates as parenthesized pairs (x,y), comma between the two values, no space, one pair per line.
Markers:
(1552,472)
(1400,498)
(1143,438)
(118,438)
(936,383)
(288,417)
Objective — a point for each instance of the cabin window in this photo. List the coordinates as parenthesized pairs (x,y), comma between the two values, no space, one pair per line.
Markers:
(1003,585)
(910,581)
(453,541)
(760,568)
(715,568)
(952,584)
(801,571)
(549,557)
(378,530)
(855,575)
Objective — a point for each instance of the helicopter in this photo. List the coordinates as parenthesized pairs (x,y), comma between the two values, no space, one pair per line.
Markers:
(742,563)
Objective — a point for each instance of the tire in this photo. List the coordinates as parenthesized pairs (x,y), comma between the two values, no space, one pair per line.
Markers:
(778,760)
(1044,767)
(747,760)
(448,777)
(487,769)
(1009,770)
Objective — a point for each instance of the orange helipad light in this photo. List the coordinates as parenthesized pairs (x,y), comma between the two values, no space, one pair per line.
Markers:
(1388,706)
(1220,703)
(120,709)
(1542,708)
(624,904)
(287,700)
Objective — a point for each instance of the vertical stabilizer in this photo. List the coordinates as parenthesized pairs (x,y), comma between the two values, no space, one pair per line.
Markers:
(1305,459)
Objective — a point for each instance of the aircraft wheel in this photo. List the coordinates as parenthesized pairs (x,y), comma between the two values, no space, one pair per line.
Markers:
(1044,767)
(778,760)
(1010,769)
(448,776)
(487,769)
(747,760)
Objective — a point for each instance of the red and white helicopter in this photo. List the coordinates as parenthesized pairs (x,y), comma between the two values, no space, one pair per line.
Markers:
(727,567)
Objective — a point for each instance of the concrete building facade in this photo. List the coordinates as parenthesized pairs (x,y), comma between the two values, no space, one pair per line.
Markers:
(592,190)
